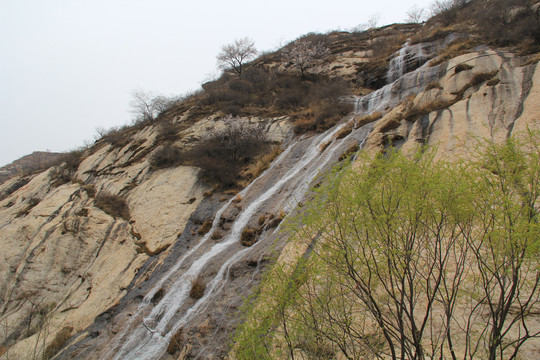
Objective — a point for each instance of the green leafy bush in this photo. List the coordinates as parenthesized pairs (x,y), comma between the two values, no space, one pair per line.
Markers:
(403,253)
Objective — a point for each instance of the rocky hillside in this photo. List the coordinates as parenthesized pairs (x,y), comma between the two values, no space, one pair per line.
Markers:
(145,245)
(37,161)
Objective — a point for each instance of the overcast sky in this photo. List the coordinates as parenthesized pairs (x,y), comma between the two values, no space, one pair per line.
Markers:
(70,66)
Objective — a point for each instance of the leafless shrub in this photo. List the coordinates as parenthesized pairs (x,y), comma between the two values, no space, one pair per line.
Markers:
(59,176)
(373,20)
(198,287)
(167,131)
(447,11)
(205,227)
(90,190)
(323,116)
(223,153)
(117,136)
(416,14)
(249,236)
(166,156)
(146,106)
(113,205)
(73,159)
(304,55)
(507,22)
(58,343)
(462,67)
(176,342)
(234,55)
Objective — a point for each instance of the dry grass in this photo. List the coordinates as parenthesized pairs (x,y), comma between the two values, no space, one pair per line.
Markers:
(90,190)
(462,67)
(361,121)
(205,227)
(198,287)
(176,343)
(261,164)
(324,145)
(433,35)
(434,85)
(249,236)
(458,47)
(274,221)
(114,205)
(58,343)
(477,79)
(413,112)
(270,220)
(349,152)
(345,130)
(532,60)
(320,116)
(166,156)
(482,77)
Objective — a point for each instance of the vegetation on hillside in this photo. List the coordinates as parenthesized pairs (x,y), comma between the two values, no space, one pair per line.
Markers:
(408,258)
(221,155)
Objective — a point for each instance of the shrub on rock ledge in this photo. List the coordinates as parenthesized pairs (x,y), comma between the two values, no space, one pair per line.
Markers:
(114,205)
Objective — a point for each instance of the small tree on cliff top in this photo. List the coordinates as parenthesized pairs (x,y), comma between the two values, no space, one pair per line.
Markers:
(305,55)
(234,55)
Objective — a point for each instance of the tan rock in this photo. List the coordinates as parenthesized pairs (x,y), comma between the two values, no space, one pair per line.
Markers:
(161,205)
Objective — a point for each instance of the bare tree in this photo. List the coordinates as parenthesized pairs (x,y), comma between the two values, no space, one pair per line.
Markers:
(416,14)
(234,55)
(305,55)
(146,106)
(373,20)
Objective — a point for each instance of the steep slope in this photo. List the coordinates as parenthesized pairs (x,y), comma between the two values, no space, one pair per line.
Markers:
(36,161)
(119,285)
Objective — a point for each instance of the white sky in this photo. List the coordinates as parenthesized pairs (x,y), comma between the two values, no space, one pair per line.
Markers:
(69,66)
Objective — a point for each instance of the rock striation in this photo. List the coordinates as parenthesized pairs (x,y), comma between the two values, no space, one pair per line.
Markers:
(70,265)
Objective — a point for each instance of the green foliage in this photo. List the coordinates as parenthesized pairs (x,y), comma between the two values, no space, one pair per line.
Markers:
(403,254)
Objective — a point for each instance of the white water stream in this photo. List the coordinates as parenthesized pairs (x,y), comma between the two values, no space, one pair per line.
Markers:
(282,186)
(390,95)
(147,335)
(409,55)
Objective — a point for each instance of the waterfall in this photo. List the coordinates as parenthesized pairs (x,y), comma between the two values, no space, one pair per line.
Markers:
(390,95)
(397,64)
(407,58)
(283,185)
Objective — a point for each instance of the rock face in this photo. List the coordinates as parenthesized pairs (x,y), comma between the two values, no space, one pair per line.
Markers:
(38,160)
(493,98)
(64,259)
(71,266)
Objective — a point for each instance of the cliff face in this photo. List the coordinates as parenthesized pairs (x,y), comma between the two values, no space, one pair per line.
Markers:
(118,285)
